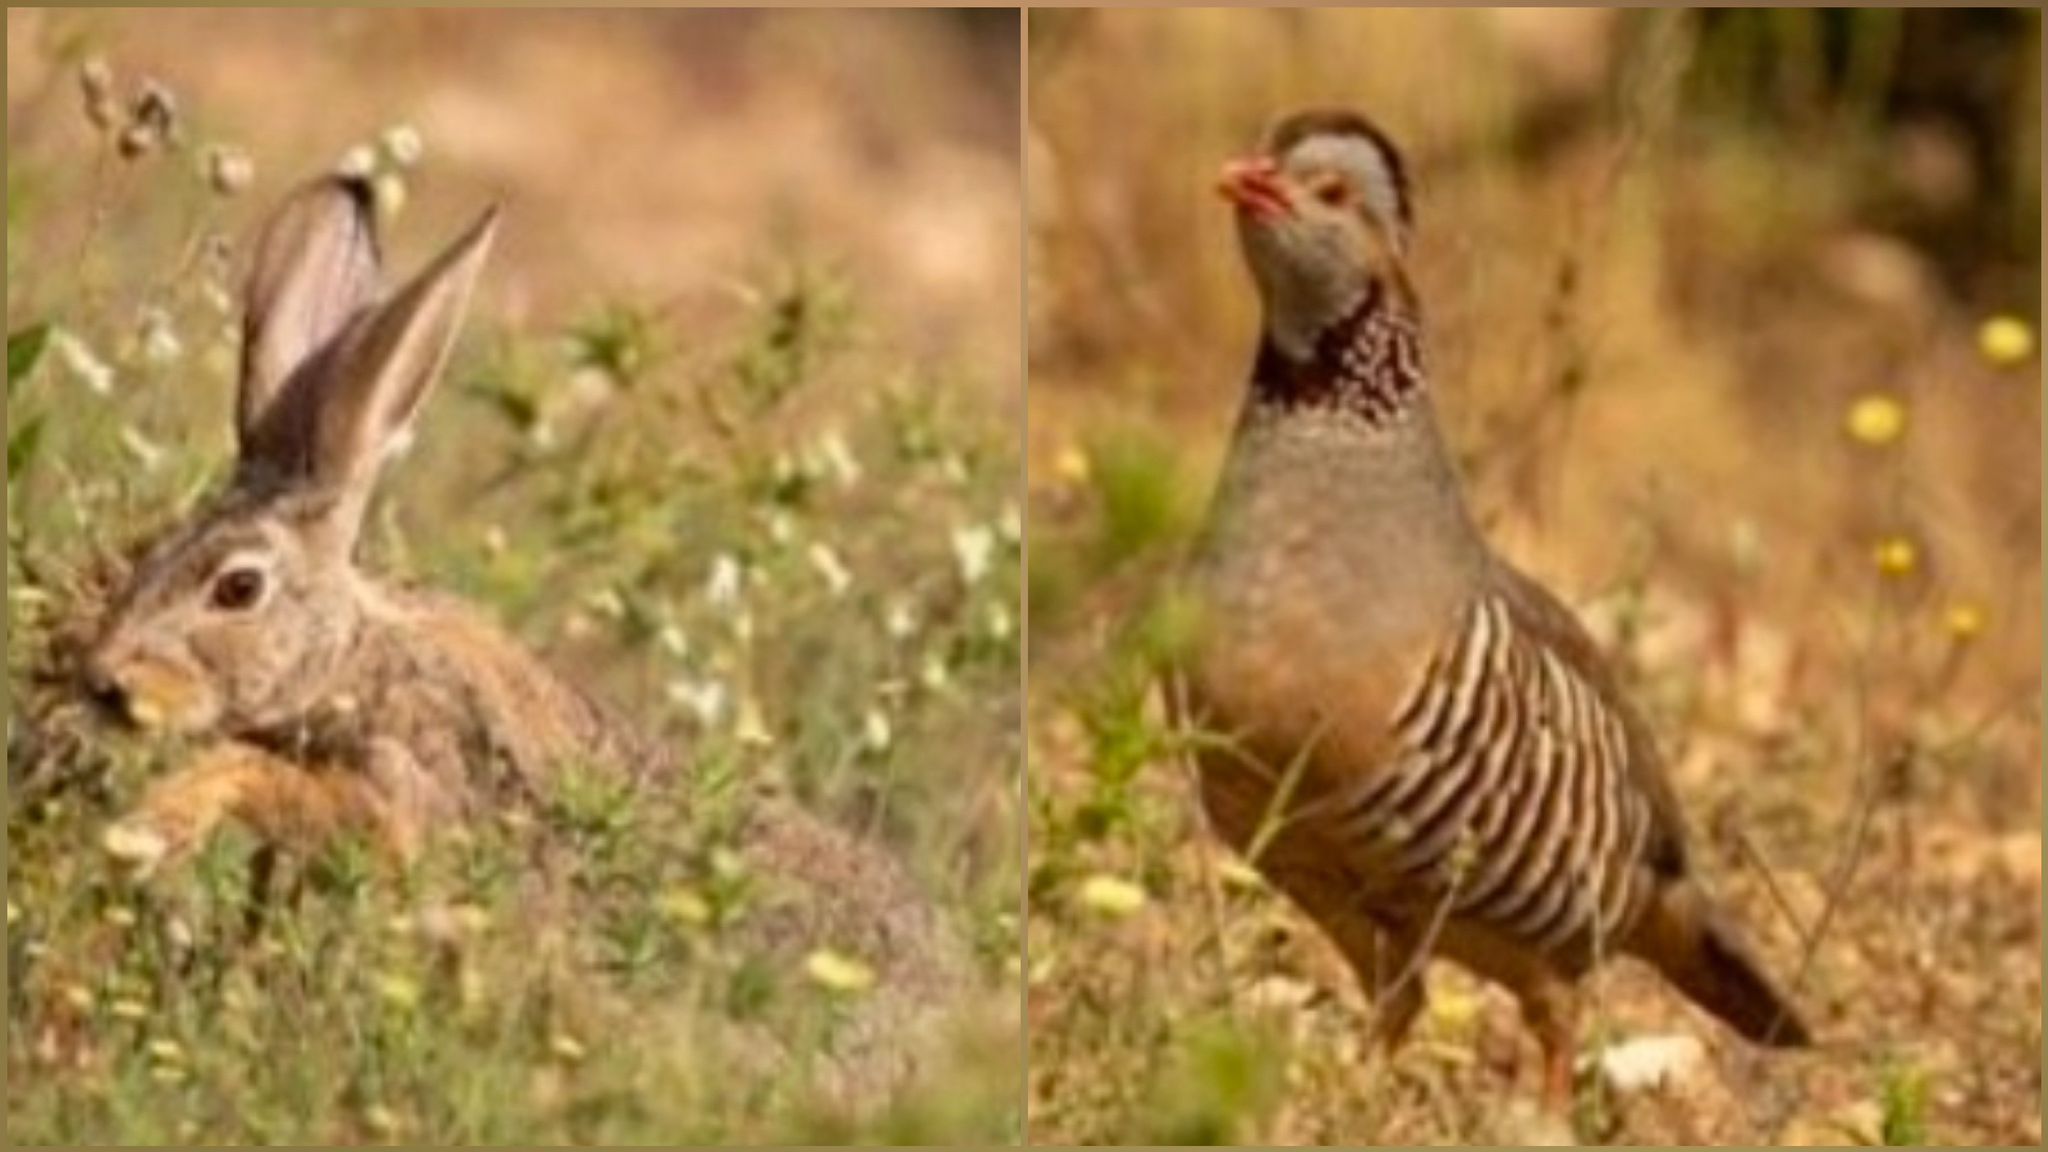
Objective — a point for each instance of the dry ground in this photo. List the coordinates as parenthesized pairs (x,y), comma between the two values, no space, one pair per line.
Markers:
(1651,319)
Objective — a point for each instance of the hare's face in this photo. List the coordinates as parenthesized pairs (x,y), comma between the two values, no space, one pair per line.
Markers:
(242,619)
(234,623)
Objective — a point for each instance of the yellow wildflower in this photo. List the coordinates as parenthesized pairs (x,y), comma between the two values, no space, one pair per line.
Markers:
(1877,419)
(1072,465)
(380,1120)
(686,907)
(1896,556)
(838,973)
(399,992)
(2006,341)
(1111,896)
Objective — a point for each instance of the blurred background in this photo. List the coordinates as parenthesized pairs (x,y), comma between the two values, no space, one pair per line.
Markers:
(733,432)
(1733,328)
(638,153)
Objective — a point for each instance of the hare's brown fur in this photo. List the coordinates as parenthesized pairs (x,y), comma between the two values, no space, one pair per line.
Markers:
(334,703)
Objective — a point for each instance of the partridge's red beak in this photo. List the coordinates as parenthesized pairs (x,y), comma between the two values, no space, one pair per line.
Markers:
(1253,185)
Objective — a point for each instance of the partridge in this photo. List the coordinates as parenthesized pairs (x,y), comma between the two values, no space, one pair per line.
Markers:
(1415,742)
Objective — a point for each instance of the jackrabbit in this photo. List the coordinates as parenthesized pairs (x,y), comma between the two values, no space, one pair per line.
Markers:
(323,701)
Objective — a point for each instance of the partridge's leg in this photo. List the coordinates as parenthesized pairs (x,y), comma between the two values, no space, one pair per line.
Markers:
(282,802)
(1387,965)
(1552,1011)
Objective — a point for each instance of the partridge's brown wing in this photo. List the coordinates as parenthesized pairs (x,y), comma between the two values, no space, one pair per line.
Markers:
(1540,617)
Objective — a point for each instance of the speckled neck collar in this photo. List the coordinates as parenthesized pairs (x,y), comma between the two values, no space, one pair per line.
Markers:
(1369,365)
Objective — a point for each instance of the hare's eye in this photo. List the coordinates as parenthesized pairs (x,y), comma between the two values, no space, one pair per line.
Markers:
(237,589)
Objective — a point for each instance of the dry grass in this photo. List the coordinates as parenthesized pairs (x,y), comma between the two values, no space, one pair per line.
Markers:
(1651,318)
(731,435)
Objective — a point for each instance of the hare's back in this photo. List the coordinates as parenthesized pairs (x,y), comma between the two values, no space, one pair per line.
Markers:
(529,713)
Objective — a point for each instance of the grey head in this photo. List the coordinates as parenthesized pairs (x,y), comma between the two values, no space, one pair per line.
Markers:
(238,619)
(1325,221)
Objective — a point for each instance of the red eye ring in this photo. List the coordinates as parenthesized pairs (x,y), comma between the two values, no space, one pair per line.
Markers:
(237,590)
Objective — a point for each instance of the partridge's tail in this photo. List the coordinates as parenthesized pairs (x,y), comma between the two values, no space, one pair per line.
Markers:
(1692,943)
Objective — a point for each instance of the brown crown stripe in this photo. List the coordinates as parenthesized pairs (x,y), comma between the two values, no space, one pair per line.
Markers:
(1343,122)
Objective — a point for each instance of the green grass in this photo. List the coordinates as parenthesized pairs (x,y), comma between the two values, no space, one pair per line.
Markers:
(761,550)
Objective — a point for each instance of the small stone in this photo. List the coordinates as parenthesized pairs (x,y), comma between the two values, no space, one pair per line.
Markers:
(1650,1062)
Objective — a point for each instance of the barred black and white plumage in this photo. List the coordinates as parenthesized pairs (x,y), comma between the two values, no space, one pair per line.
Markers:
(1510,802)
(1421,746)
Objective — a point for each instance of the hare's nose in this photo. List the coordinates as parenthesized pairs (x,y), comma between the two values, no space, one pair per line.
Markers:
(105,691)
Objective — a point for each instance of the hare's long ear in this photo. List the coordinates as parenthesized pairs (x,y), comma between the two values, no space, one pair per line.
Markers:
(315,268)
(386,363)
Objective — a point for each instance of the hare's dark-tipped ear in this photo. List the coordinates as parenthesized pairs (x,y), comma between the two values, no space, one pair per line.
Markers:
(315,268)
(389,359)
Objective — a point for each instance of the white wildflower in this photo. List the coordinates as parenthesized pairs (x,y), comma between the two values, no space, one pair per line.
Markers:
(398,445)
(607,602)
(781,528)
(973,549)
(704,700)
(357,163)
(157,337)
(401,144)
(389,192)
(723,587)
(1649,1062)
(901,620)
(1011,525)
(82,362)
(838,458)
(96,85)
(934,674)
(877,734)
(831,568)
(788,472)
(228,170)
(146,452)
(751,727)
(673,641)
(1001,625)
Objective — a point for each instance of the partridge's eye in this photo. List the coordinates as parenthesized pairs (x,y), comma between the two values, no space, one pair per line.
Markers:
(238,589)
(1331,189)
